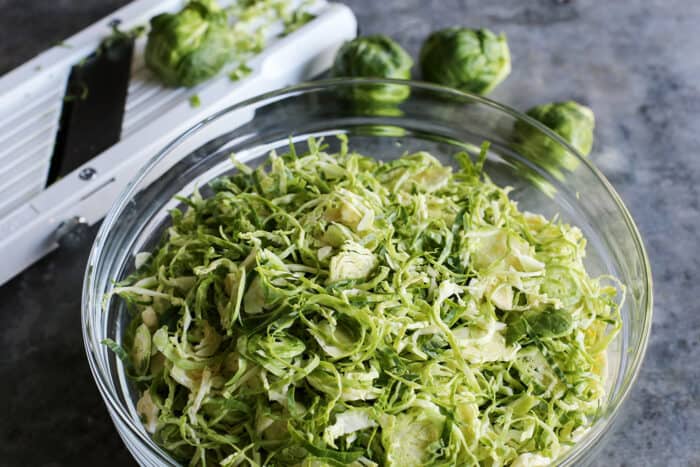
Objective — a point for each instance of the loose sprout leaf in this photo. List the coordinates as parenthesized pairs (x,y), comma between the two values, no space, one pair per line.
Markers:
(543,324)
(554,323)
(328,309)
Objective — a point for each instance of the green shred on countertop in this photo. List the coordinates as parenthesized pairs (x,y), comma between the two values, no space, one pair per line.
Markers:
(240,72)
(195,101)
(329,309)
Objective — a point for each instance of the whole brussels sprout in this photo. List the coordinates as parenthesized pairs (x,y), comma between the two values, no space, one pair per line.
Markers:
(570,120)
(473,60)
(191,46)
(374,57)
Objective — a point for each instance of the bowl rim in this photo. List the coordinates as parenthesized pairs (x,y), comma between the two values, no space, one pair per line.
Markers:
(101,376)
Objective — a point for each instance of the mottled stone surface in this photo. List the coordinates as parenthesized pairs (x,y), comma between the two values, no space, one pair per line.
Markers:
(635,62)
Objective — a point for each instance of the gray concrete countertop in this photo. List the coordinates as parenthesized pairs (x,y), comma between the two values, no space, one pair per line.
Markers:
(636,63)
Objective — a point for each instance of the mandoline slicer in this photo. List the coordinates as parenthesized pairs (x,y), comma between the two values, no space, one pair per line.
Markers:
(33,216)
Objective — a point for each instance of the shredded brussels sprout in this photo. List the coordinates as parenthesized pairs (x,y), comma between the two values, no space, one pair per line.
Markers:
(328,309)
(193,45)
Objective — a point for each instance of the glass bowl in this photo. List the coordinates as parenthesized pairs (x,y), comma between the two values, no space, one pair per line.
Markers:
(440,120)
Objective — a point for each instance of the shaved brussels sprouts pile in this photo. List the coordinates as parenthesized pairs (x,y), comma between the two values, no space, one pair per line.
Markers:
(328,309)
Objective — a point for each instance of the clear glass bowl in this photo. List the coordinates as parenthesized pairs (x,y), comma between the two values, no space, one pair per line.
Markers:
(437,119)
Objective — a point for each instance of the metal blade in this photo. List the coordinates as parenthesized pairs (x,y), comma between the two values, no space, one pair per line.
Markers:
(93,108)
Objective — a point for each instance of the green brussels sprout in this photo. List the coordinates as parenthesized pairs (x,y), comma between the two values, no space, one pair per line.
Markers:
(570,120)
(374,57)
(191,46)
(472,60)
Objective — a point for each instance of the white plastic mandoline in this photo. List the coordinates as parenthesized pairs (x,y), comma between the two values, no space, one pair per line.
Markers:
(31,98)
